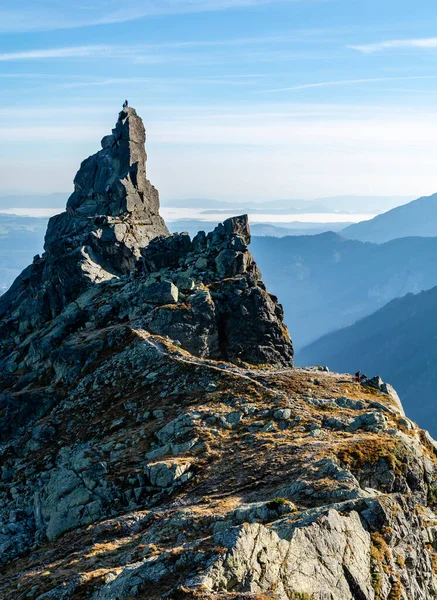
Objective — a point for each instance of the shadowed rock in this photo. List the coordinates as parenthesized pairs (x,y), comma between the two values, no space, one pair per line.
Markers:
(235,318)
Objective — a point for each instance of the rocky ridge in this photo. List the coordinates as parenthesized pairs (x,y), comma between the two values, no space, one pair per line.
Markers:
(156,441)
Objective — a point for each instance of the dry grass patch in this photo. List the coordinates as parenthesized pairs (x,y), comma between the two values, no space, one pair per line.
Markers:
(359,452)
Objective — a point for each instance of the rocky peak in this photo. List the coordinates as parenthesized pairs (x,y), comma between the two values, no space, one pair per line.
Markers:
(110,261)
(223,308)
(113,181)
(156,441)
(220,254)
(114,208)
(111,216)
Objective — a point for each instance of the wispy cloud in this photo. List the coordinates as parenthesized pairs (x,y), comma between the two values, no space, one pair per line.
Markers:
(420,43)
(140,54)
(233,80)
(69,52)
(175,52)
(30,134)
(293,36)
(43,15)
(347,82)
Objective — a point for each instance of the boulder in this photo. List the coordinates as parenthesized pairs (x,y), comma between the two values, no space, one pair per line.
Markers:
(161,292)
(167,474)
(297,558)
(282,413)
(370,421)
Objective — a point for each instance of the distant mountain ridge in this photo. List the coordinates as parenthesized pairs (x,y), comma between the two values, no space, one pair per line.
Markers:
(327,282)
(192,226)
(399,341)
(417,218)
(21,238)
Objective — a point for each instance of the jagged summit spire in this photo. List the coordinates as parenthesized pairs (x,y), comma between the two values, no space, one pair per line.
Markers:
(113,181)
(111,216)
(111,185)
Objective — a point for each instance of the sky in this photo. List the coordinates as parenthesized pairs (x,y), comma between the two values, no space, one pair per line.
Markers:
(241,99)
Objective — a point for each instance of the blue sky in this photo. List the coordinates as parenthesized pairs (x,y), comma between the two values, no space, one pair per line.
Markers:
(242,99)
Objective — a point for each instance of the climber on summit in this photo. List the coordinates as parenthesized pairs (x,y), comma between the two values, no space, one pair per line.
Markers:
(125,104)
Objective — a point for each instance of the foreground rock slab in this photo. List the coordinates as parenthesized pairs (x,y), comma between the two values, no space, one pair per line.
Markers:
(164,475)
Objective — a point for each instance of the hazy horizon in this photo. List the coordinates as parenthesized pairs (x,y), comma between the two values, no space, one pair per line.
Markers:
(336,209)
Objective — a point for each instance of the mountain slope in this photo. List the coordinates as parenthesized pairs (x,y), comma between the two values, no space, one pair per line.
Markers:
(143,482)
(417,218)
(326,281)
(399,342)
(156,441)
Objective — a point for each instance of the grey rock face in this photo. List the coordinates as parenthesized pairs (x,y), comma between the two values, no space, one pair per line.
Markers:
(112,214)
(205,294)
(112,273)
(162,292)
(373,421)
(155,437)
(73,495)
(112,181)
(232,318)
(184,477)
(292,557)
(165,475)
(236,318)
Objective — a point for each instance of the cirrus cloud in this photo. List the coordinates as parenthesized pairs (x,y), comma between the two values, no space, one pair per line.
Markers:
(44,15)
(418,43)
